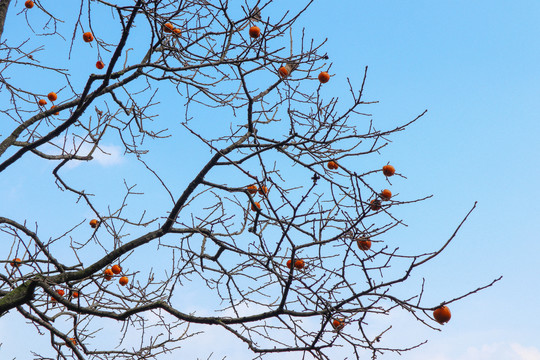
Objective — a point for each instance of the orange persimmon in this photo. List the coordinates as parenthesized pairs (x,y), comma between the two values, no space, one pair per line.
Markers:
(338,324)
(386,194)
(364,244)
(108,274)
(442,314)
(283,72)
(332,165)
(88,37)
(324,77)
(298,264)
(15,262)
(388,170)
(256,206)
(123,280)
(116,269)
(254,32)
(168,27)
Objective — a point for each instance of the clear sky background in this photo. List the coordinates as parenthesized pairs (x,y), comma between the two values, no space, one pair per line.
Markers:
(475,65)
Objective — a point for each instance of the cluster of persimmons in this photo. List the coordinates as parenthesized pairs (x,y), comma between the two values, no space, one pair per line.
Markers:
(441,314)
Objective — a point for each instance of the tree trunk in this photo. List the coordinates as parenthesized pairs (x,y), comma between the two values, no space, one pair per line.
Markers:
(4,5)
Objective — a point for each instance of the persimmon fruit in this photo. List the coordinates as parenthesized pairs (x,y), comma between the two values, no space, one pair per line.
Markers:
(338,324)
(108,274)
(94,223)
(332,165)
(263,190)
(324,77)
(375,204)
(42,102)
(73,341)
(254,32)
(55,113)
(15,262)
(60,292)
(75,294)
(100,65)
(256,206)
(123,280)
(298,264)
(28,4)
(88,37)
(177,31)
(283,72)
(168,27)
(386,194)
(442,314)
(116,269)
(52,96)
(252,189)
(388,170)
(364,244)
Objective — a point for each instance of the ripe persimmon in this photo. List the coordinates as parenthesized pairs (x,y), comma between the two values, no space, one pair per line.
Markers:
(60,292)
(256,206)
(375,204)
(332,165)
(252,189)
(88,37)
(56,113)
(442,314)
(388,170)
(298,264)
(254,32)
(28,4)
(386,194)
(283,72)
(338,324)
(42,102)
(364,244)
(100,65)
(52,96)
(94,223)
(108,274)
(15,262)
(324,77)
(123,280)
(73,341)
(116,269)
(177,31)
(168,27)
(263,190)
(75,294)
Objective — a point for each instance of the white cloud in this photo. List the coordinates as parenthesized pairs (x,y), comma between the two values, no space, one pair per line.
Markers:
(110,155)
(526,353)
(105,155)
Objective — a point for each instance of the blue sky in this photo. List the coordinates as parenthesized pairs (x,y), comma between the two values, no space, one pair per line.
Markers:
(475,67)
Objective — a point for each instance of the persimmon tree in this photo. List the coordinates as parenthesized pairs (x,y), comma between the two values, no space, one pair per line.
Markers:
(248,193)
